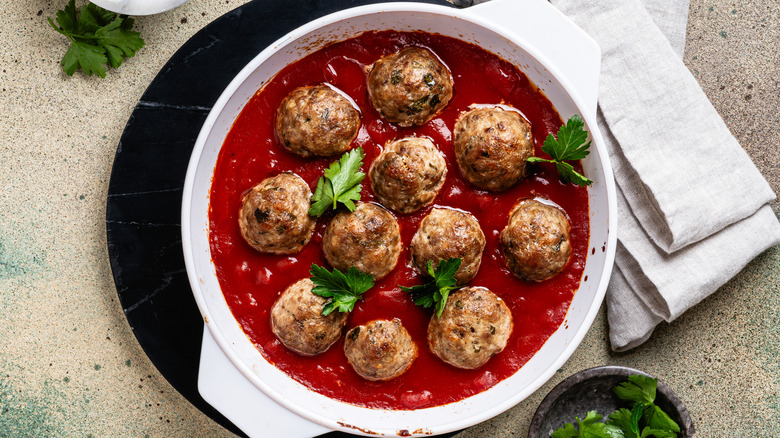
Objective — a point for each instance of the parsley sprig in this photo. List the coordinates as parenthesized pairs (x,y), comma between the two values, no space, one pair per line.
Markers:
(591,426)
(97,37)
(641,390)
(572,144)
(437,290)
(645,419)
(341,183)
(344,290)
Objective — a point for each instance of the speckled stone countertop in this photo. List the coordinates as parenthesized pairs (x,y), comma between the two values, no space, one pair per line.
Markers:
(69,363)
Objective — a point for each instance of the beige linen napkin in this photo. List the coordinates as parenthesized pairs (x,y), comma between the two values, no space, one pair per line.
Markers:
(693,209)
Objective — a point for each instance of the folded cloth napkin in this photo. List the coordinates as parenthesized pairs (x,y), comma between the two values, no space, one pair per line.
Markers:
(692,207)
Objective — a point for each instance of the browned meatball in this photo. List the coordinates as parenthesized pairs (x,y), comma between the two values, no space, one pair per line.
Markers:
(296,319)
(368,238)
(409,87)
(316,120)
(491,146)
(447,233)
(474,326)
(536,242)
(380,349)
(408,174)
(274,216)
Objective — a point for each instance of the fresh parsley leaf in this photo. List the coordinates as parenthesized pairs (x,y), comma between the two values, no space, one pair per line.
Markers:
(88,57)
(437,290)
(590,427)
(341,183)
(97,37)
(638,389)
(657,433)
(572,144)
(118,42)
(636,415)
(66,18)
(572,141)
(87,20)
(572,175)
(102,16)
(344,290)
(622,419)
(655,418)
(567,431)
(610,431)
(642,391)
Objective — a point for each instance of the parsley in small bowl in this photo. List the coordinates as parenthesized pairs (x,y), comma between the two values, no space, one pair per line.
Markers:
(611,402)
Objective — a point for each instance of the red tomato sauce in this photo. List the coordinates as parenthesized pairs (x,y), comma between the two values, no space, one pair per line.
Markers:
(251,281)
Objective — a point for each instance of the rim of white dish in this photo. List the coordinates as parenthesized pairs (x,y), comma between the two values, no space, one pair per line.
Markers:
(139,7)
(467,420)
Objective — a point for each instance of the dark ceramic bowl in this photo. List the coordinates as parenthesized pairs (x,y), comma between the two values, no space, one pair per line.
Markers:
(590,390)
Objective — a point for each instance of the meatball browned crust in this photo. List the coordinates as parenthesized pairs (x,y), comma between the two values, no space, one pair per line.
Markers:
(274,216)
(380,349)
(491,146)
(474,326)
(409,87)
(446,233)
(316,120)
(408,174)
(297,320)
(536,241)
(368,238)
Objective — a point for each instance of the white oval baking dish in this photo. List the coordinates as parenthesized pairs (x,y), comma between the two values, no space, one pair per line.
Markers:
(541,33)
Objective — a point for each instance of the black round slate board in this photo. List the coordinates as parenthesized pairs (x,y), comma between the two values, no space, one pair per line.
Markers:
(144,195)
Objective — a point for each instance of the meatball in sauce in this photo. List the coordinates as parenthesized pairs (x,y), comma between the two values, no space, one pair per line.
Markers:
(408,174)
(409,87)
(491,145)
(380,349)
(474,326)
(274,215)
(368,238)
(447,233)
(316,120)
(297,320)
(536,242)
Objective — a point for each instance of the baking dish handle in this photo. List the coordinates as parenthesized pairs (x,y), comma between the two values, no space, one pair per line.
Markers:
(223,386)
(568,49)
